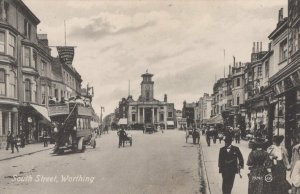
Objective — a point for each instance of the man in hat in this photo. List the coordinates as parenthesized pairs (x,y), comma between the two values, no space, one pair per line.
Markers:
(230,163)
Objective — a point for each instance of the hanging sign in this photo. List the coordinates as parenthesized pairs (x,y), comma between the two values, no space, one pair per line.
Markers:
(66,54)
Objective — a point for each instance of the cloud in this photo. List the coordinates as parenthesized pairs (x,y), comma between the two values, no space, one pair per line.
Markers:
(99,28)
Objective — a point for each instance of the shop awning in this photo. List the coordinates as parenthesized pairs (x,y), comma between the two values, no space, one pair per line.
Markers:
(122,121)
(42,110)
(170,122)
(216,120)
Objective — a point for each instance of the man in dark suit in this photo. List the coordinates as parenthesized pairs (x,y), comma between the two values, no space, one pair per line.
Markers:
(230,163)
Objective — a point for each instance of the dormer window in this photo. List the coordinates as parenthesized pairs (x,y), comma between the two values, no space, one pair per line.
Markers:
(27,29)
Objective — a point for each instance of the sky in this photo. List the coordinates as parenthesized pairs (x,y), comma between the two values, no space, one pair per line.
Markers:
(181,42)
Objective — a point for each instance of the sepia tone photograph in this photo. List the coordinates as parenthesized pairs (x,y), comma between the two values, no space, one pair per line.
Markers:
(150,96)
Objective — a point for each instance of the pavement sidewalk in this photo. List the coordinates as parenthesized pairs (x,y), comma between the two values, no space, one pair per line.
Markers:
(214,179)
(27,150)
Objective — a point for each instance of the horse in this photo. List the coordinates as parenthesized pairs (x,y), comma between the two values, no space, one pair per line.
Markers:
(196,137)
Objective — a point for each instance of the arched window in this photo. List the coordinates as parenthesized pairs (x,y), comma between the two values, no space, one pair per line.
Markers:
(13,84)
(27,90)
(2,83)
(238,99)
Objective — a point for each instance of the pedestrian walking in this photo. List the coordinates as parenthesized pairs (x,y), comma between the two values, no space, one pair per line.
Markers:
(122,134)
(237,134)
(22,136)
(13,143)
(259,163)
(280,164)
(295,178)
(230,163)
(159,129)
(45,138)
(208,134)
(8,139)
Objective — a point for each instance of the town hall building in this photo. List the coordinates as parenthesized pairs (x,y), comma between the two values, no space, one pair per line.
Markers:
(149,110)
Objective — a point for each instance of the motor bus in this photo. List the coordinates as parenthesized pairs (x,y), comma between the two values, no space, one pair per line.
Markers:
(74,128)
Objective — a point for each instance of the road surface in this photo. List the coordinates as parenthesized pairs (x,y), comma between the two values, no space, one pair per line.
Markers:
(155,164)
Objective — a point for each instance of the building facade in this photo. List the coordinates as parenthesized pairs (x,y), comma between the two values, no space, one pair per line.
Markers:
(28,76)
(149,110)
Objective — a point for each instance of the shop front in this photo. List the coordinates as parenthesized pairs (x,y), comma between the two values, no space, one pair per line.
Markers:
(8,121)
(34,120)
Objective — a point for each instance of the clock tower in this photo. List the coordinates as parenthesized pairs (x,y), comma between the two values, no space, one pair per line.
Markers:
(147,89)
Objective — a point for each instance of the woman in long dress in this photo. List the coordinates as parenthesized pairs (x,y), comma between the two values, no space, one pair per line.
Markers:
(259,165)
(295,166)
(279,157)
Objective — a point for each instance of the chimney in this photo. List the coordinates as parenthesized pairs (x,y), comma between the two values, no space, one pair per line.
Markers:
(257,47)
(229,69)
(280,15)
(166,98)
(240,63)
(270,46)
(43,38)
(260,46)
(253,48)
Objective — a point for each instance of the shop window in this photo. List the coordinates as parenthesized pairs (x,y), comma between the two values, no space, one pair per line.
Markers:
(11,45)
(2,42)
(4,123)
(2,82)
(133,117)
(170,114)
(27,90)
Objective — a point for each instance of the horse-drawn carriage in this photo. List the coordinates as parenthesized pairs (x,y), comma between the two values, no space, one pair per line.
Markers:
(124,138)
(149,128)
(194,134)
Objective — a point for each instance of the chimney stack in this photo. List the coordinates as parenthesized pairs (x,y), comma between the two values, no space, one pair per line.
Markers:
(166,98)
(257,45)
(280,15)
(260,46)
(253,48)
(229,69)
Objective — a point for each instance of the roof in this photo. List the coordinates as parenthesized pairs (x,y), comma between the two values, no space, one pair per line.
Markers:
(27,10)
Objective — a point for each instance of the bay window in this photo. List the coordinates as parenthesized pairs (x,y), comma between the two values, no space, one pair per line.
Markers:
(2,42)
(2,83)
(27,57)
(27,90)
(13,83)
(12,45)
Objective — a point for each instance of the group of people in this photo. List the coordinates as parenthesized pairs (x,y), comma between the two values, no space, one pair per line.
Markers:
(268,166)
(212,132)
(14,141)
